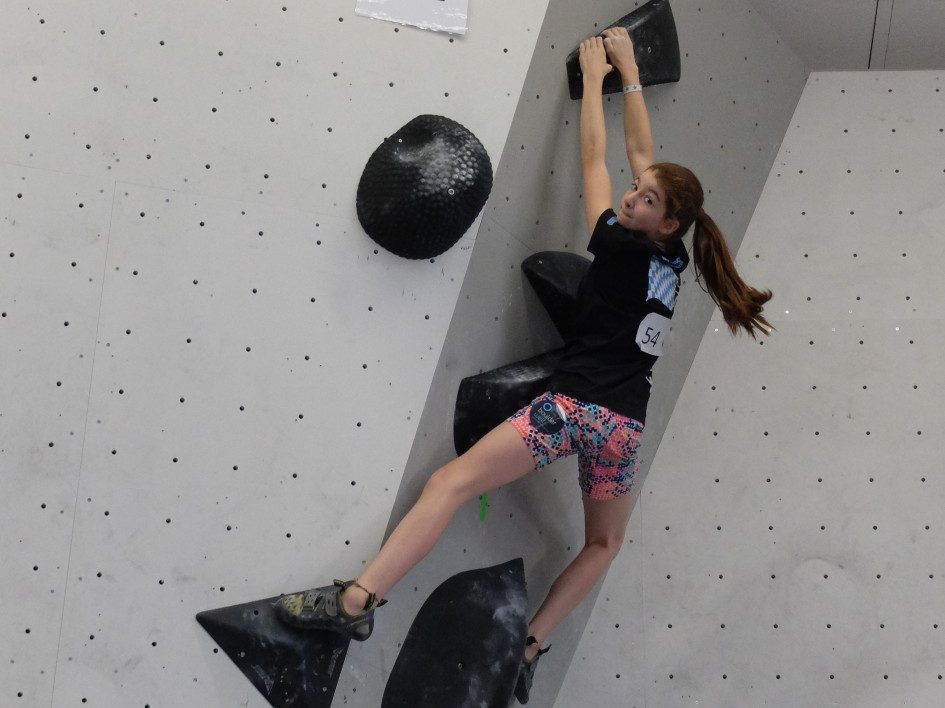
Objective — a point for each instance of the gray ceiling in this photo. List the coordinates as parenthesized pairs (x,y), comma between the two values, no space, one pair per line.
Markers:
(855,35)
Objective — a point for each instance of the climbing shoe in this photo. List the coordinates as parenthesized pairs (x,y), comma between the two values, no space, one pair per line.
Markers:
(321,608)
(526,672)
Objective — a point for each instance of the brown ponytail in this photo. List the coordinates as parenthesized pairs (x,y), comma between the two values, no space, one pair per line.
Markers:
(741,304)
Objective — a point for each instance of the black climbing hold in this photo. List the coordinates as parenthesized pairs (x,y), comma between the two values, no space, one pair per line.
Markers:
(465,645)
(289,667)
(556,276)
(485,400)
(423,187)
(652,30)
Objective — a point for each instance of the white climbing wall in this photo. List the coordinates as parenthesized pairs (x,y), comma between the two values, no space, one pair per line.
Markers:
(216,388)
(787,547)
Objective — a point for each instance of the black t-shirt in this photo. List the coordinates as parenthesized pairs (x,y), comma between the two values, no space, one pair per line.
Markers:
(624,305)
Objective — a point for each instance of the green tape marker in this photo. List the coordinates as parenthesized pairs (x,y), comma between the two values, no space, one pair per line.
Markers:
(482,508)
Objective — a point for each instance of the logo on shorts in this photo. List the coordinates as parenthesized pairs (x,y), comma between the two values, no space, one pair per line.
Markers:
(546,417)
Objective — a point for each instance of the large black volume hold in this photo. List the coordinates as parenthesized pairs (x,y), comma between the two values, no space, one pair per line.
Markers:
(423,187)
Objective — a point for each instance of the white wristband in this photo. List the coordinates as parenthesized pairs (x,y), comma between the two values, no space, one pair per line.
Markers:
(632,87)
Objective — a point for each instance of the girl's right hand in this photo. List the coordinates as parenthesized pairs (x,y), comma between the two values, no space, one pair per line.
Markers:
(619,47)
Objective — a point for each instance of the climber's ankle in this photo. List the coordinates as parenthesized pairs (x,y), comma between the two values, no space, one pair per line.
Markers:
(353,599)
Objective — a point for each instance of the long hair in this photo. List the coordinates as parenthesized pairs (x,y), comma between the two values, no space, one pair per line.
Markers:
(741,304)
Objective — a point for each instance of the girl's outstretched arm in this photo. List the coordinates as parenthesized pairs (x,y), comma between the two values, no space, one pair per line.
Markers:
(636,123)
(594,68)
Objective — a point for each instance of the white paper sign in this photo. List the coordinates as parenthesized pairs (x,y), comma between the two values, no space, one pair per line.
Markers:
(651,333)
(440,15)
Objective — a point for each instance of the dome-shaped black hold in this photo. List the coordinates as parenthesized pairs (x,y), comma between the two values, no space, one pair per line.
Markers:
(423,187)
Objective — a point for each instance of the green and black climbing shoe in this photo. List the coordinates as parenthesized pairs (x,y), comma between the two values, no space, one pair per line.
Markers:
(321,608)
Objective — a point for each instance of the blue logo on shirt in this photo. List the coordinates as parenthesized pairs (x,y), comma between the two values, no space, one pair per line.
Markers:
(663,283)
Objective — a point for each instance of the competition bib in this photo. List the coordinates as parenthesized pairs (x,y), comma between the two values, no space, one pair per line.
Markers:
(652,331)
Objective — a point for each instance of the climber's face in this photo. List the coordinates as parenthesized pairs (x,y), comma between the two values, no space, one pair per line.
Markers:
(643,208)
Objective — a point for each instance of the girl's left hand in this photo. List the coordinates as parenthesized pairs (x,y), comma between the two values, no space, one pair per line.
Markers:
(594,58)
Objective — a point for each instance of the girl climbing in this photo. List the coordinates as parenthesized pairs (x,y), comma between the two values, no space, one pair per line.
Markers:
(596,401)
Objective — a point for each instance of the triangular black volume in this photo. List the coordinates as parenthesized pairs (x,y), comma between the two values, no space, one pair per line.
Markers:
(290,667)
(555,276)
(466,643)
(652,30)
(485,400)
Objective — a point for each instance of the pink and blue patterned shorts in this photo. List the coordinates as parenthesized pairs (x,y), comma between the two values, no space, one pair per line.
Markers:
(555,426)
